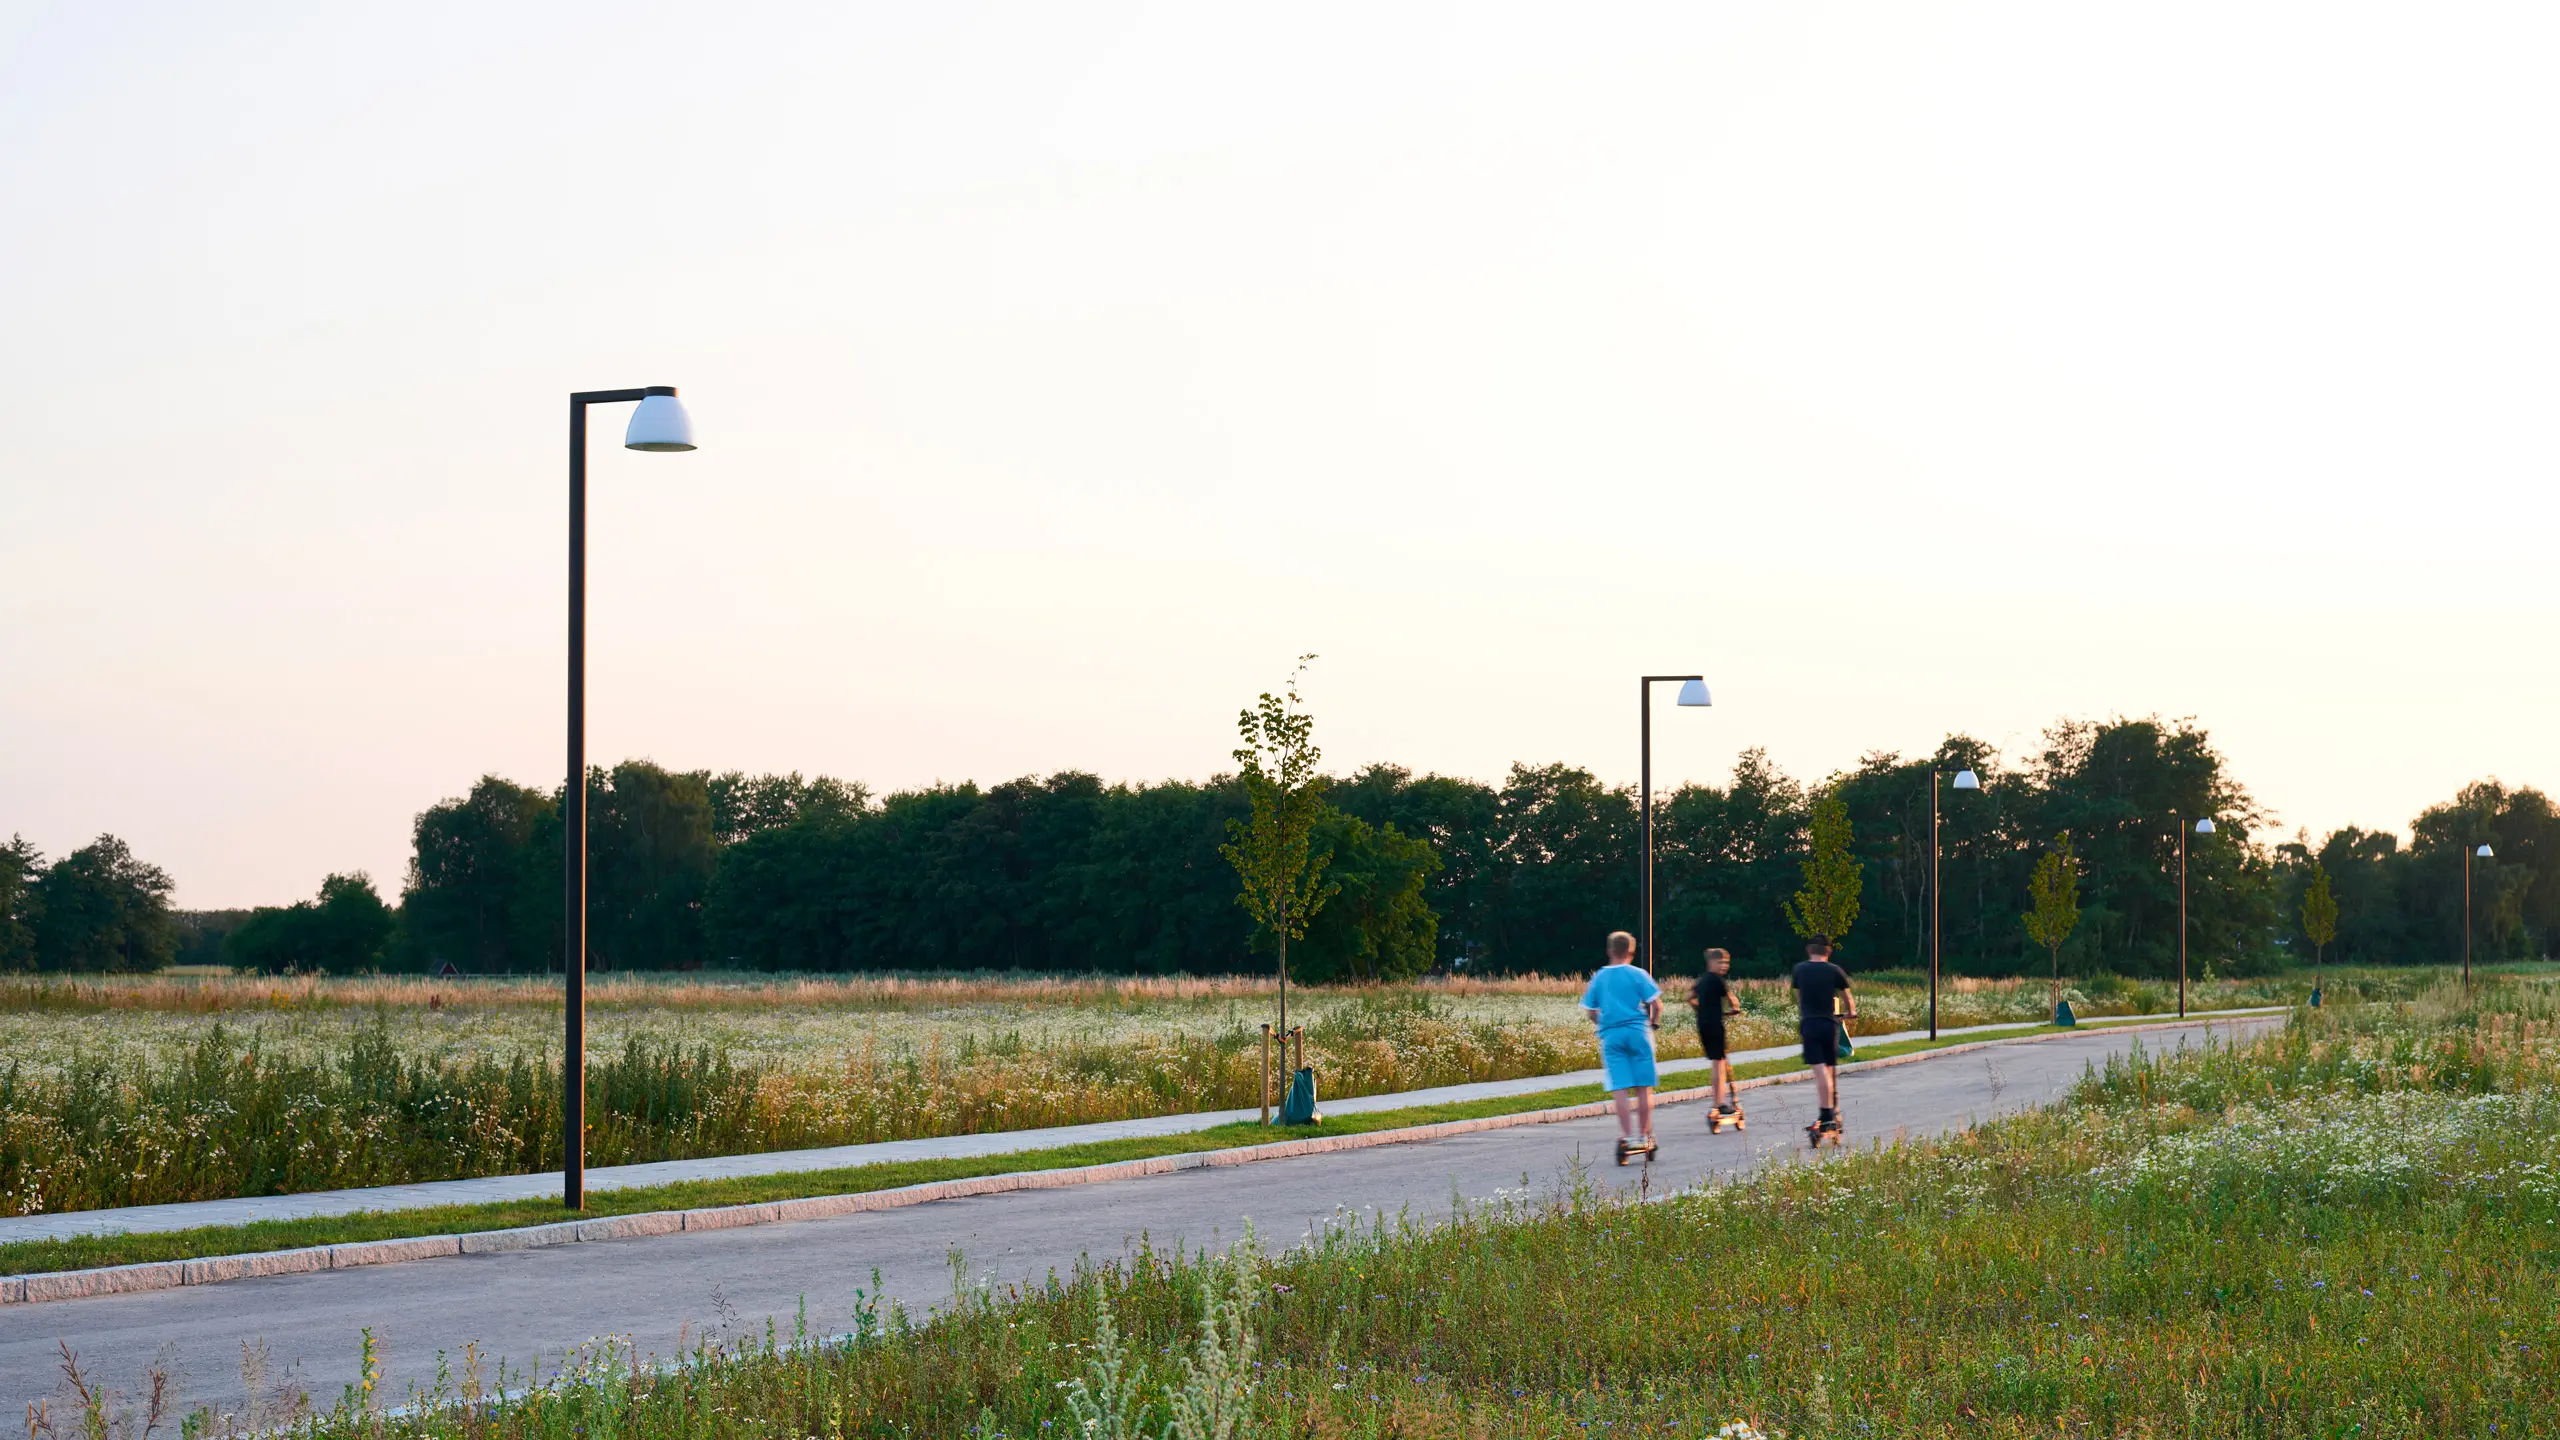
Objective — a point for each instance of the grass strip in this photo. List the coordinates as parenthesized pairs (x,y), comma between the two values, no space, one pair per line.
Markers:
(38,1257)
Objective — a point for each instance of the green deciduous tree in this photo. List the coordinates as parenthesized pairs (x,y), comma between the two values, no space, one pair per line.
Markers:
(2319,915)
(2520,826)
(1827,905)
(1056,874)
(1272,848)
(2053,897)
(102,909)
(484,878)
(650,854)
(1724,863)
(202,934)
(1565,866)
(1378,926)
(2366,871)
(343,932)
(2115,786)
(21,866)
(467,880)
(1458,820)
(743,806)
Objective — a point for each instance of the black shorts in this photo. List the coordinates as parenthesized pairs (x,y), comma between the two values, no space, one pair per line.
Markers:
(1711,1040)
(1821,1042)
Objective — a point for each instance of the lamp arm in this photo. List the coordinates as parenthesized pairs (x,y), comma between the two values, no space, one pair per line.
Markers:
(609,397)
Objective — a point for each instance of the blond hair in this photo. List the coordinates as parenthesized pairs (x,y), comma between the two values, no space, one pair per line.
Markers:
(1622,946)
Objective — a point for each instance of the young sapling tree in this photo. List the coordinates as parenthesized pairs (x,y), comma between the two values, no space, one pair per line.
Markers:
(1833,875)
(2319,919)
(1283,884)
(2054,893)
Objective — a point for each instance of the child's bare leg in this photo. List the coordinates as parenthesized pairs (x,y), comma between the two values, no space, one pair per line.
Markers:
(1626,1113)
(1724,1081)
(1826,1087)
(1644,1109)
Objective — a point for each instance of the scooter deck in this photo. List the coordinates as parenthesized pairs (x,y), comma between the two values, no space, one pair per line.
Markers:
(1818,1135)
(1630,1148)
(1719,1122)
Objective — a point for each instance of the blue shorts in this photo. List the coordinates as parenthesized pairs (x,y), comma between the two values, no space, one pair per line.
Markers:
(1627,1052)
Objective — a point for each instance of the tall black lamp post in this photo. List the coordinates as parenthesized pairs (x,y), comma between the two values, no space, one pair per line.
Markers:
(2485,853)
(659,424)
(2203,827)
(1965,780)
(1693,691)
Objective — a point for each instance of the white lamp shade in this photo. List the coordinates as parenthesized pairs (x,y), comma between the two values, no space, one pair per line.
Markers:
(2485,853)
(1967,780)
(2205,826)
(1694,692)
(659,424)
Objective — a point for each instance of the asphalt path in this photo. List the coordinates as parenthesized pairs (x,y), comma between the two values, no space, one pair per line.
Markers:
(534,1306)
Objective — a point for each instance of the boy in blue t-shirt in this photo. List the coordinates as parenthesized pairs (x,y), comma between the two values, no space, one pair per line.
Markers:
(1624,1004)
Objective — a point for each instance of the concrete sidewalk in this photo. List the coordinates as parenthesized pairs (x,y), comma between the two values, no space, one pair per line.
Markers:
(495,1188)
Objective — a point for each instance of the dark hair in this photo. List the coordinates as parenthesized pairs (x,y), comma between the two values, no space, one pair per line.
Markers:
(1818,945)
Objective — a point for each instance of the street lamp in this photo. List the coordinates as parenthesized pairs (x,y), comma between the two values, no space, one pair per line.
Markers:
(1965,780)
(2203,827)
(1693,691)
(2485,853)
(659,424)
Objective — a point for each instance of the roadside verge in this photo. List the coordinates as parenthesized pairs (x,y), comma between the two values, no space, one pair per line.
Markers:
(1017,1171)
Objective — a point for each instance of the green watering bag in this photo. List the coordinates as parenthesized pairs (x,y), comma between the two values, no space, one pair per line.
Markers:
(1300,1107)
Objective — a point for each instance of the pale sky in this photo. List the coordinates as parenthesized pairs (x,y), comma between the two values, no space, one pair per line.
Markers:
(1064,370)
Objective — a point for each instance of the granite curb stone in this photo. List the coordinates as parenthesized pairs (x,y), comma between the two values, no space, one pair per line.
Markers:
(629,1227)
(393,1252)
(730,1217)
(216,1268)
(170,1274)
(521,1237)
(107,1280)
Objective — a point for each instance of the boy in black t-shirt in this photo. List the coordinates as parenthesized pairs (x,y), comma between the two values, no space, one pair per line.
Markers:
(1713,999)
(1822,1000)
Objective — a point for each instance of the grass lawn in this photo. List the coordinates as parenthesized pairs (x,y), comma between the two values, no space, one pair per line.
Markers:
(32,1257)
(2347,1229)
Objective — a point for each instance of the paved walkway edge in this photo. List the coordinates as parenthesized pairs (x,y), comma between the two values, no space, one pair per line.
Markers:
(213,1270)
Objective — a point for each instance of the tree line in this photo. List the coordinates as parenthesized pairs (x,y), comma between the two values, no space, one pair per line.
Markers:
(1067,873)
